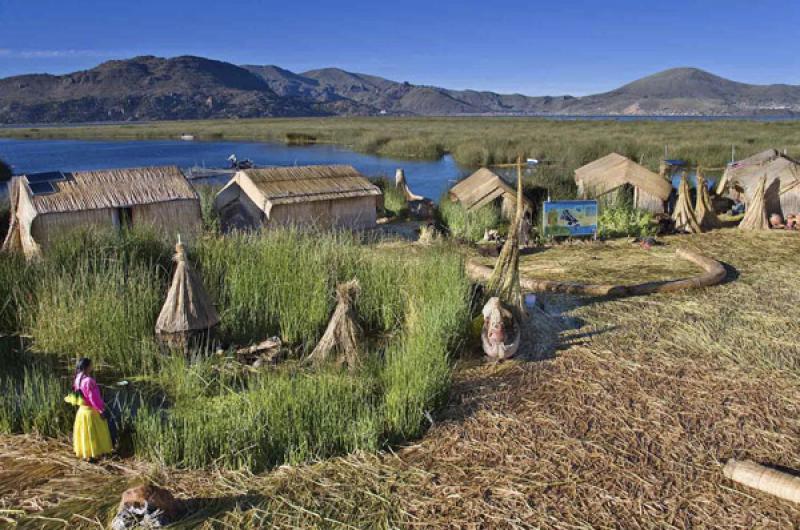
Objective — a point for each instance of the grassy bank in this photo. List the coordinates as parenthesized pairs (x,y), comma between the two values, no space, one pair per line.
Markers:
(98,295)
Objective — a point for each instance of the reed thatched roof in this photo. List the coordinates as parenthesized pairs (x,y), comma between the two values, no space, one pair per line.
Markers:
(112,188)
(614,170)
(481,188)
(285,185)
(747,173)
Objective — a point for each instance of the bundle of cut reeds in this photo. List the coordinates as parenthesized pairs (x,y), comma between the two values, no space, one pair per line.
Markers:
(684,217)
(755,218)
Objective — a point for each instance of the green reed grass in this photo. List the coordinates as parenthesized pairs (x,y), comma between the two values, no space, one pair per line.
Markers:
(282,417)
(394,201)
(16,282)
(31,395)
(98,295)
(469,225)
(107,315)
(417,371)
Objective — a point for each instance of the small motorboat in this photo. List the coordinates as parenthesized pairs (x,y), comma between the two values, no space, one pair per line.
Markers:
(501,332)
(235,163)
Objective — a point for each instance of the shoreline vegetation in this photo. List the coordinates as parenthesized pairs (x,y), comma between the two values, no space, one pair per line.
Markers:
(471,141)
(561,146)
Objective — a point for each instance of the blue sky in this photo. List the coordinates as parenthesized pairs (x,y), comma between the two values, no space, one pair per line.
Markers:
(536,48)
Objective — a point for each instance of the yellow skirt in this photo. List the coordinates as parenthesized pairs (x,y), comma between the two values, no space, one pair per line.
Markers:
(90,435)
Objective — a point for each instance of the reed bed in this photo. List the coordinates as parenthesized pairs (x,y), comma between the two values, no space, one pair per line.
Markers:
(565,145)
(620,414)
(97,295)
(31,394)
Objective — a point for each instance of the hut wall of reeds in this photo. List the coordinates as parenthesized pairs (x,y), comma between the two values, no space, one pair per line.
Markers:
(614,173)
(43,210)
(326,196)
(782,191)
(486,187)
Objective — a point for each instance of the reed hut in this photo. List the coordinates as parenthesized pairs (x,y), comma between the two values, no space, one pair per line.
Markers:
(187,311)
(614,174)
(45,206)
(486,187)
(782,187)
(324,196)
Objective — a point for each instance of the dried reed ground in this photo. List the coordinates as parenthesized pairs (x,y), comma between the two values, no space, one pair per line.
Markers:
(620,416)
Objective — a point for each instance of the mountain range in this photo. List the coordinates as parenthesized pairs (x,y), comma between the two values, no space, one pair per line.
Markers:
(187,87)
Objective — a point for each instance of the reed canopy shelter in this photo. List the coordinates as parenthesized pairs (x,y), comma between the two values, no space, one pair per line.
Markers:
(324,196)
(486,187)
(614,175)
(45,206)
(782,187)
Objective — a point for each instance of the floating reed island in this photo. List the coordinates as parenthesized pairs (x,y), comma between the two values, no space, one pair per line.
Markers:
(363,336)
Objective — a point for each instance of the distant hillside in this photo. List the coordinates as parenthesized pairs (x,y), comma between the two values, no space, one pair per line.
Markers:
(152,88)
(144,88)
(691,91)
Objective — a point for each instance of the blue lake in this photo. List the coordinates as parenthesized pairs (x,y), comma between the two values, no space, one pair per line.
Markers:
(428,178)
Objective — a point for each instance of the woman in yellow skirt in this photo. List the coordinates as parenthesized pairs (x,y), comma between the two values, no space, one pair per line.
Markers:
(91,437)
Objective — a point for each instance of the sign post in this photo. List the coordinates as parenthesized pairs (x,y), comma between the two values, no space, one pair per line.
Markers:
(569,218)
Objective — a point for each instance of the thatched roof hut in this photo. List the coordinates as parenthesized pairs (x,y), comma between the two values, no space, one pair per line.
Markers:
(326,196)
(614,172)
(782,191)
(485,187)
(46,205)
(188,310)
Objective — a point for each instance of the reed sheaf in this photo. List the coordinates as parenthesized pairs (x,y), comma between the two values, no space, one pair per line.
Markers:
(98,294)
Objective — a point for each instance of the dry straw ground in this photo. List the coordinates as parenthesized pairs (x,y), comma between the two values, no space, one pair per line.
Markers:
(620,416)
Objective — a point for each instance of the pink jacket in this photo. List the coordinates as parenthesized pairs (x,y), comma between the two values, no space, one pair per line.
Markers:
(90,391)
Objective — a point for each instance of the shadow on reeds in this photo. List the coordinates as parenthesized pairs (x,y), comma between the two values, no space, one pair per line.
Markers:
(551,329)
(199,509)
(731,273)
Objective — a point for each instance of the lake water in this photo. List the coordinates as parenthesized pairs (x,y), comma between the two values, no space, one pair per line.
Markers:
(428,178)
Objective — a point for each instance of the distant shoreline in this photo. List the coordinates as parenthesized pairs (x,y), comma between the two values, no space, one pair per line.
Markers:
(554,117)
(472,141)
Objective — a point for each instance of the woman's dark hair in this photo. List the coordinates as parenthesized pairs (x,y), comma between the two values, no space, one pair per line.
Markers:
(83,364)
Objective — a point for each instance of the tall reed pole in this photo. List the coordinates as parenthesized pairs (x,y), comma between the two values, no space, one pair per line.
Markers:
(504,281)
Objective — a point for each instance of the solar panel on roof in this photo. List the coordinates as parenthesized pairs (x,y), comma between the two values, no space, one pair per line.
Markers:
(40,188)
(47,176)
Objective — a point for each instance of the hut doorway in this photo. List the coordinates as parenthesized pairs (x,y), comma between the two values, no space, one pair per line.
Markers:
(126,218)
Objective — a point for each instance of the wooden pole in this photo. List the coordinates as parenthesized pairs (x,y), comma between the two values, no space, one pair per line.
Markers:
(764,479)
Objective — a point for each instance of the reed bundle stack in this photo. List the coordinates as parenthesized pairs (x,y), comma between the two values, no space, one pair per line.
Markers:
(703,211)
(504,281)
(683,215)
(343,331)
(188,311)
(401,183)
(755,217)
